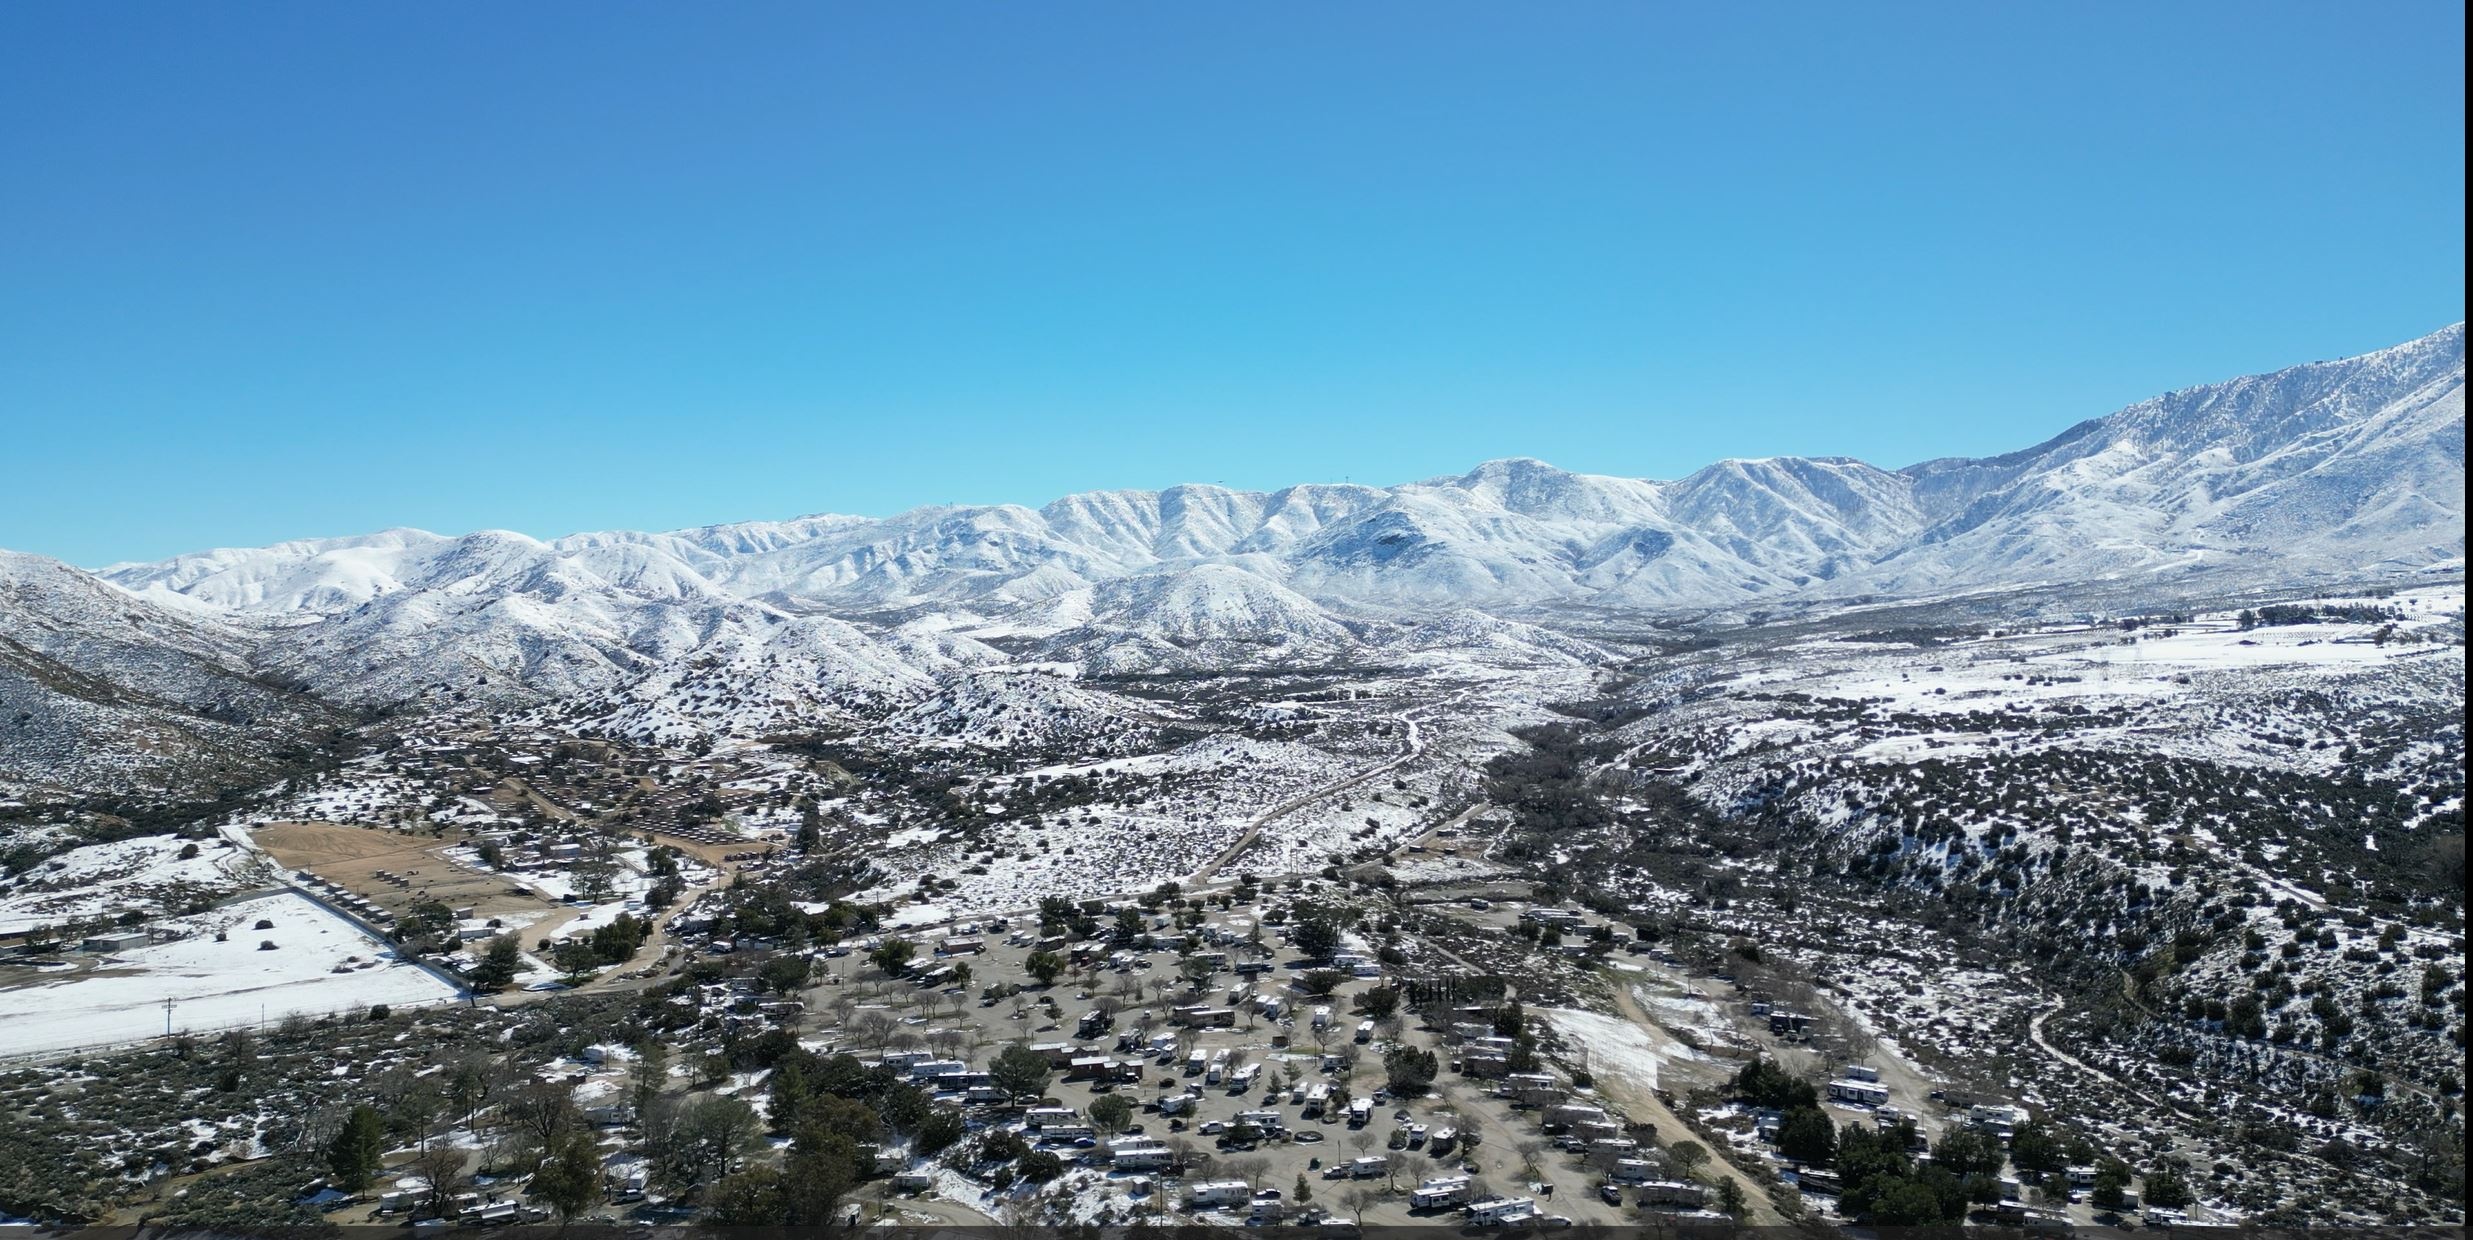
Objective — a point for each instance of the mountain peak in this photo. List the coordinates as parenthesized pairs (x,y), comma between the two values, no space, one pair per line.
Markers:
(2312,468)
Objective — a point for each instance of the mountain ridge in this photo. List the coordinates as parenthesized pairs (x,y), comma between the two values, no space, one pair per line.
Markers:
(2348,466)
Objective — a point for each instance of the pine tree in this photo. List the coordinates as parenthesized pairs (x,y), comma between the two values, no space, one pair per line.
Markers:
(571,1179)
(356,1150)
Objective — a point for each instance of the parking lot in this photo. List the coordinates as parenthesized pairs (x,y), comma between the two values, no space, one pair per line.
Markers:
(1233,1075)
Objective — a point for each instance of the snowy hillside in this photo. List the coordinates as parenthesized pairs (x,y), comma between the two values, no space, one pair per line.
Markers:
(100,690)
(2334,468)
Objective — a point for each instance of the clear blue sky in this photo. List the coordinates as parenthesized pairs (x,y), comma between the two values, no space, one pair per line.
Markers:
(280,270)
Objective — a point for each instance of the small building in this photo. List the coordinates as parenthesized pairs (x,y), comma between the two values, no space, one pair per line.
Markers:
(1213,1193)
(1565,1115)
(1140,1156)
(1484,1065)
(1998,1118)
(1633,1171)
(1678,1194)
(1495,1210)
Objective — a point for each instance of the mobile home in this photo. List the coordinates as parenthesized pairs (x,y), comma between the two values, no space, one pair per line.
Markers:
(1501,1210)
(1213,1193)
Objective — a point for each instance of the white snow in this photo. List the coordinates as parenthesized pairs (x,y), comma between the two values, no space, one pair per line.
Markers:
(217,985)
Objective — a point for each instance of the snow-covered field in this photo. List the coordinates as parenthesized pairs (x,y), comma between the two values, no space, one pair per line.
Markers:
(1613,1046)
(217,985)
(105,880)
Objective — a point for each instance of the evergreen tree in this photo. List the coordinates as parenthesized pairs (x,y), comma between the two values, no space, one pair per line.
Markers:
(1730,1197)
(499,964)
(1807,1136)
(355,1152)
(1020,1071)
(570,1181)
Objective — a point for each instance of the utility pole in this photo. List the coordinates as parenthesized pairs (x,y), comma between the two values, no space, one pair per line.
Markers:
(167,1018)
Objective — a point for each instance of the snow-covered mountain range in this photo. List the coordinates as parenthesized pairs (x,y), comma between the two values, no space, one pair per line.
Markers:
(2332,468)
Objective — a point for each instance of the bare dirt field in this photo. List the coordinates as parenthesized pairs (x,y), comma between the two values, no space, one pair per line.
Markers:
(352,857)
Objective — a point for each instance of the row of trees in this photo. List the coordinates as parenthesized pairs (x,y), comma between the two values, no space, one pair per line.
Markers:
(1885,1185)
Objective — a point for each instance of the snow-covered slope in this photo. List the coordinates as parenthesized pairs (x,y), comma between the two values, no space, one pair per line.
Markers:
(102,691)
(2333,467)
(1210,615)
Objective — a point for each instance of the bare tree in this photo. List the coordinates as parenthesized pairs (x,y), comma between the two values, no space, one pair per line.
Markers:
(1418,1164)
(1250,1169)
(1472,1134)
(1356,1200)
(1186,1156)
(538,1114)
(1530,1152)
(441,1165)
(874,1027)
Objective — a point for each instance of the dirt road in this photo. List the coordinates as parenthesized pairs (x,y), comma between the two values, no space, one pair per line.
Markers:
(1253,827)
(1645,1105)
